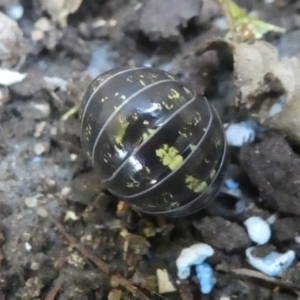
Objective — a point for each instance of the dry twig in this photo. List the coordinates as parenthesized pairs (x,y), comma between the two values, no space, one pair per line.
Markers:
(98,262)
(261,276)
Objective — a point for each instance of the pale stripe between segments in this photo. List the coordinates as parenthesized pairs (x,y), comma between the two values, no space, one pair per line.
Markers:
(123,104)
(151,136)
(100,85)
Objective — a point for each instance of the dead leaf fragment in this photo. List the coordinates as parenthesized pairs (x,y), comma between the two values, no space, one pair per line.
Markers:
(115,294)
(251,64)
(262,80)
(59,10)
(262,77)
(11,42)
(164,283)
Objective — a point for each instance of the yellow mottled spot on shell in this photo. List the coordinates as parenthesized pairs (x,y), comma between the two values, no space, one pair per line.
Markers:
(174,205)
(152,75)
(192,147)
(129,79)
(135,116)
(173,94)
(167,106)
(142,83)
(148,170)
(197,119)
(167,197)
(88,131)
(206,160)
(169,157)
(89,155)
(123,97)
(123,124)
(146,122)
(147,134)
(212,174)
(106,157)
(133,183)
(181,133)
(194,184)
(217,141)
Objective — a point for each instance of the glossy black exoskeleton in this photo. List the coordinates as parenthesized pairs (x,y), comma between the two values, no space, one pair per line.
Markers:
(156,144)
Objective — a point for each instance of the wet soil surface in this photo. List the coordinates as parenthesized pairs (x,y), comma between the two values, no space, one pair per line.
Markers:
(43,172)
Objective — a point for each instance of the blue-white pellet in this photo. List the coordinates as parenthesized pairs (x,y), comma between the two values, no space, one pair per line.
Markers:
(15,11)
(205,275)
(231,184)
(238,134)
(193,255)
(258,229)
(37,159)
(273,264)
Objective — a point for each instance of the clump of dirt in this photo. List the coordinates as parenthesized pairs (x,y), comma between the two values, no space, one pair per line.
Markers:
(279,193)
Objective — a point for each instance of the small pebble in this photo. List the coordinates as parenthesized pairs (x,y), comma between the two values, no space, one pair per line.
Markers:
(39,129)
(28,247)
(276,109)
(194,255)
(37,35)
(258,229)
(114,295)
(238,134)
(273,264)
(8,77)
(272,219)
(43,24)
(36,111)
(39,149)
(205,275)
(73,156)
(12,49)
(65,191)
(41,212)
(99,23)
(31,201)
(35,266)
(54,83)
(70,215)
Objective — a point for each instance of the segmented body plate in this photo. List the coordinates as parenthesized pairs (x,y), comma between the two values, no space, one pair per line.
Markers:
(155,143)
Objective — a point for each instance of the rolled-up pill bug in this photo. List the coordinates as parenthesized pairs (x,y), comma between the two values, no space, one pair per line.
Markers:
(156,144)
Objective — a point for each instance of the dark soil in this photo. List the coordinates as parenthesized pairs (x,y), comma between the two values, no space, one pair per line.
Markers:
(42,166)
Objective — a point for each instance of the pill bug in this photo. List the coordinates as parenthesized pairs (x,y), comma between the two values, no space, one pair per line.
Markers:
(156,145)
